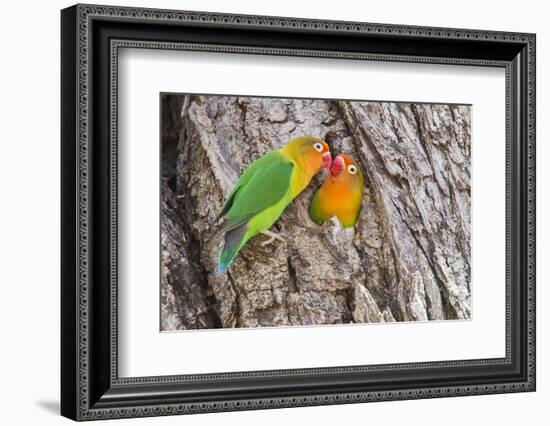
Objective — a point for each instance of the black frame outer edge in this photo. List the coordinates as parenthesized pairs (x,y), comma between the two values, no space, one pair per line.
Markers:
(69,188)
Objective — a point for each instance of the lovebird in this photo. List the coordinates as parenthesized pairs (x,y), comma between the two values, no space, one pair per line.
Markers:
(265,189)
(340,194)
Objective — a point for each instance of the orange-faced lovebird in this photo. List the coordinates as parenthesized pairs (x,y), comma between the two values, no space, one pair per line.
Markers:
(266,188)
(340,194)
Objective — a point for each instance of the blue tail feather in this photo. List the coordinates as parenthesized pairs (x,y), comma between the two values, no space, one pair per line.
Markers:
(233,243)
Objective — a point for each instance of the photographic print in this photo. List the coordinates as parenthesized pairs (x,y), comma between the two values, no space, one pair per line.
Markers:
(300,212)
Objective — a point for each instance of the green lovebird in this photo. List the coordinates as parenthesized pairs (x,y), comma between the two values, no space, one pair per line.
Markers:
(264,190)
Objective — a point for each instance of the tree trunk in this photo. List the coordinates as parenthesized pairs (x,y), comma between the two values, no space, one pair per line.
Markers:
(407,259)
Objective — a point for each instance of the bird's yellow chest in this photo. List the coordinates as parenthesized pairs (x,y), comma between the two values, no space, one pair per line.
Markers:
(300,180)
(340,201)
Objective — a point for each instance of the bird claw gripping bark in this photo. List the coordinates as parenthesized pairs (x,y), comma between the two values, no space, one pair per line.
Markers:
(272,236)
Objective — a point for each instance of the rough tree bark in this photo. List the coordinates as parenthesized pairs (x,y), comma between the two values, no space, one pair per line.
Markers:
(407,259)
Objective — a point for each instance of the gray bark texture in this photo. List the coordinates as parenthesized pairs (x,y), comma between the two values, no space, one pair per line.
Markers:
(407,259)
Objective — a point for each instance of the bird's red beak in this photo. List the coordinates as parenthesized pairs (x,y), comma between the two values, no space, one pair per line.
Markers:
(338,166)
(327,160)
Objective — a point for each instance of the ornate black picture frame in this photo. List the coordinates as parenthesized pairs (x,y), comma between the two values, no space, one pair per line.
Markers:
(91,36)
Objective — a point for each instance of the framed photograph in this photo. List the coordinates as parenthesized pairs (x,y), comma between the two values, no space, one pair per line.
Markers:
(263,212)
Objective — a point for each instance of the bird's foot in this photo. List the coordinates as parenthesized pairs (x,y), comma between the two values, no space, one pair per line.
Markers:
(272,236)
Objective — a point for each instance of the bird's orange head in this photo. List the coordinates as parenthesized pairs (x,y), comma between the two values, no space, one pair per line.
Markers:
(345,171)
(310,152)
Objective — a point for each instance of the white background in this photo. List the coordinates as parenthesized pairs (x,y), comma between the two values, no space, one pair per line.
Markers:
(140,343)
(29,225)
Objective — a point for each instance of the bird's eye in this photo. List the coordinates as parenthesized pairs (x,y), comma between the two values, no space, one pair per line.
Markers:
(352,169)
(318,146)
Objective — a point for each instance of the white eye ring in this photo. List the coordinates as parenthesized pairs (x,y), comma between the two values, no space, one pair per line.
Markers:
(318,146)
(352,169)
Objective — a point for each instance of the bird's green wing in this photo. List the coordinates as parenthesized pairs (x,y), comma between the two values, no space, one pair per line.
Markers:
(262,184)
(245,177)
(314,213)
